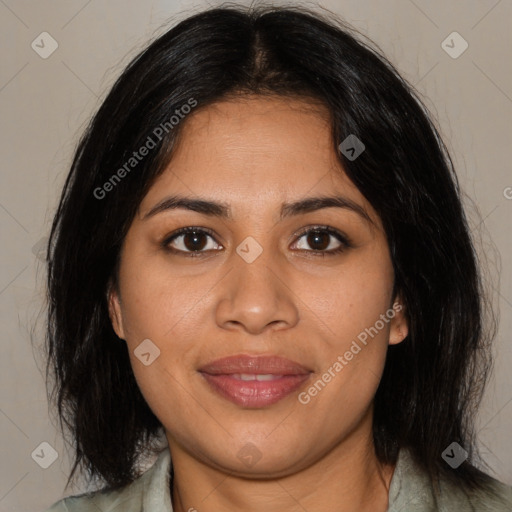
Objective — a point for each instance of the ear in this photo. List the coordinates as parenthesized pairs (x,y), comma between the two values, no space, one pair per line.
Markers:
(114,310)
(399,325)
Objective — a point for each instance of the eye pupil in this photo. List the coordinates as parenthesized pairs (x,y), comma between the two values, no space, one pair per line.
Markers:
(316,238)
(193,238)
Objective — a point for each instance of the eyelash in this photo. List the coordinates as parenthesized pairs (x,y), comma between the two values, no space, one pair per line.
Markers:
(344,240)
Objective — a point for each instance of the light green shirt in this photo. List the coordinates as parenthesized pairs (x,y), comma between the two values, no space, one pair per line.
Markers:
(410,490)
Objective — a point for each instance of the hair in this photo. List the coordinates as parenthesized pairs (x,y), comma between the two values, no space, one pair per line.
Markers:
(432,382)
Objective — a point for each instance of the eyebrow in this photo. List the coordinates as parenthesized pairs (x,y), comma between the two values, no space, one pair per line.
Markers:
(223,210)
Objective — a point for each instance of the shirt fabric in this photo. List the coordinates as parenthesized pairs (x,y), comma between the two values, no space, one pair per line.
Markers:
(411,490)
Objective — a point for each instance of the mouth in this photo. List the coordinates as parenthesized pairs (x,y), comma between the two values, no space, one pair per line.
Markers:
(254,381)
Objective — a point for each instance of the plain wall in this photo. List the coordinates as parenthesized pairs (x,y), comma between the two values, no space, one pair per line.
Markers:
(45,103)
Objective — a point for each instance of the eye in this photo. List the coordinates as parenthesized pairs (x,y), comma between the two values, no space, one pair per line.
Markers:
(324,241)
(192,241)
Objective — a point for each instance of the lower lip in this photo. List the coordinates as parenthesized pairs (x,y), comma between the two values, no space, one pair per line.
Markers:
(254,393)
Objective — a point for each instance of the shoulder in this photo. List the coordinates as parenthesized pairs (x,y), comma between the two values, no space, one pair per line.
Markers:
(148,492)
(413,490)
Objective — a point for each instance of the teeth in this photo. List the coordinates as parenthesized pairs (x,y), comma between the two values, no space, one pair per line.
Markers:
(267,376)
(247,376)
(258,377)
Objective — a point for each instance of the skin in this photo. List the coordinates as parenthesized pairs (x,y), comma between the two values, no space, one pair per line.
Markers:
(253,154)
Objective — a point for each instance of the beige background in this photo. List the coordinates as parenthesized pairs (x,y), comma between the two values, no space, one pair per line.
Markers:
(45,103)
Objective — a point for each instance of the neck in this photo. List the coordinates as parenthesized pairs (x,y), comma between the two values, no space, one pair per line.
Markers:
(349,478)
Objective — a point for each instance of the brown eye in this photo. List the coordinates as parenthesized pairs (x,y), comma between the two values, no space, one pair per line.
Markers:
(318,240)
(325,241)
(190,240)
(194,241)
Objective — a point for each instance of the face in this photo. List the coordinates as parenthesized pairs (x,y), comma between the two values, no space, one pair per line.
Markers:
(259,337)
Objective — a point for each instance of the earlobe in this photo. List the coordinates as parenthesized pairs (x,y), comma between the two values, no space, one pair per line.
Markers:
(399,325)
(114,310)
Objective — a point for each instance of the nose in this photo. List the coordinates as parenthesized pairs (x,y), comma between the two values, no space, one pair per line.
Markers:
(256,296)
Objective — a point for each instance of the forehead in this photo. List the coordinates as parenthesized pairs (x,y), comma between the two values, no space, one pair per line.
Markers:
(257,150)
(278,128)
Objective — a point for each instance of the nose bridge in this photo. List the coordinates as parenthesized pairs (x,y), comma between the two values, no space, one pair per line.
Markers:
(255,294)
(256,280)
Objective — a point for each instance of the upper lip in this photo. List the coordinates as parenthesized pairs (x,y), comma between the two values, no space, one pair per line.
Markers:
(256,365)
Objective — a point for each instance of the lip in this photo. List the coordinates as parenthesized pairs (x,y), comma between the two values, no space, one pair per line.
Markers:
(282,377)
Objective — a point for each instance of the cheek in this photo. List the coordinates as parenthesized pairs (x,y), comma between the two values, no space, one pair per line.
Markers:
(156,301)
(165,391)
(352,300)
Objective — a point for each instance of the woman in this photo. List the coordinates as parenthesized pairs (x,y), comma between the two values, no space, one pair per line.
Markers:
(261,258)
